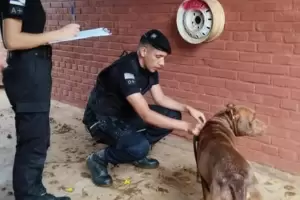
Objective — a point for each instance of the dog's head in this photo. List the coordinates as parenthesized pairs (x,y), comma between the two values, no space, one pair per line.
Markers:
(244,121)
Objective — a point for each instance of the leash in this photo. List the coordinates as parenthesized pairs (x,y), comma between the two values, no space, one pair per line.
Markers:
(195,145)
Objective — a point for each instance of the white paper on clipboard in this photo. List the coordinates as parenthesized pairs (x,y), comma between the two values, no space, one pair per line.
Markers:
(97,32)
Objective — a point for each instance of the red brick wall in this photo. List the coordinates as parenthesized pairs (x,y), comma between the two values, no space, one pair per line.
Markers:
(255,62)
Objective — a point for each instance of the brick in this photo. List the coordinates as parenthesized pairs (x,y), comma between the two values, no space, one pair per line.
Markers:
(254,98)
(284,165)
(230,65)
(257,16)
(281,59)
(296,28)
(180,60)
(186,78)
(274,6)
(232,16)
(242,96)
(255,57)
(270,149)
(239,86)
(278,132)
(225,55)
(169,83)
(184,94)
(294,116)
(240,36)
(254,78)
(215,91)
(238,6)
(275,48)
(270,111)
(289,104)
(297,49)
(286,82)
(285,123)
(294,60)
(209,81)
(226,36)
(239,26)
(273,27)
(272,69)
(288,154)
(56,5)
(295,136)
(199,105)
(274,37)
(257,37)
(241,46)
(212,100)
(272,91)
(287,16)
(285,143)
(220,73)
(292,38)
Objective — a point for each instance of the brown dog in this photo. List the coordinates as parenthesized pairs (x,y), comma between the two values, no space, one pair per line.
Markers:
(224,173)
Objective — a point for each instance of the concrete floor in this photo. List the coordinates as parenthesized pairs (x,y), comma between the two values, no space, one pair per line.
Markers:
(65,168)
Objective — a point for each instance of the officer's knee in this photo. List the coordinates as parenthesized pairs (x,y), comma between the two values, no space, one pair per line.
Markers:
(139,150)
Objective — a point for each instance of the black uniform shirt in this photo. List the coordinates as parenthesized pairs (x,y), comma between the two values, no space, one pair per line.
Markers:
(123,78)
(31,12)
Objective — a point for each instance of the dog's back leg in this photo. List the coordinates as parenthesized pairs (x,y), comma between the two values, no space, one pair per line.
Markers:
(205,188)
(253,193)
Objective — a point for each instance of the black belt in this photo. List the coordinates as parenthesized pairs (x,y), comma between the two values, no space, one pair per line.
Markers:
(41,51)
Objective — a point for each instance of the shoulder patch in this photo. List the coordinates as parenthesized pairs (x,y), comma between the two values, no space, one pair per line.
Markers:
(128,76)
(17,2)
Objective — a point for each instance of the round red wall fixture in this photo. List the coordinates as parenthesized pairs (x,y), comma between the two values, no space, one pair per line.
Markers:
(200,20)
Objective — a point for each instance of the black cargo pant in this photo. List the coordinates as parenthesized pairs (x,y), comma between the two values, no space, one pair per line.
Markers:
(27,81)
(129,139)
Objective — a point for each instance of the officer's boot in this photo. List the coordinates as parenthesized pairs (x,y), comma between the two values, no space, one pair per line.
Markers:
(97,165)
(146,163)
(48,196)
(45,196)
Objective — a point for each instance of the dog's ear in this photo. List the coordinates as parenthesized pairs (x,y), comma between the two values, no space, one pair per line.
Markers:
(230,106)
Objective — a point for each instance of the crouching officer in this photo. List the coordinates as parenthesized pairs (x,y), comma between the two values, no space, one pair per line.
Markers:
(27,81)
(118,115)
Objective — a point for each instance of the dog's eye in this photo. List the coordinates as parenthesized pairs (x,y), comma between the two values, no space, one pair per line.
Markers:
(250,124)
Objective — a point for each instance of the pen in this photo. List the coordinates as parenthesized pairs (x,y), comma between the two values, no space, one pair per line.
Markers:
(73,12)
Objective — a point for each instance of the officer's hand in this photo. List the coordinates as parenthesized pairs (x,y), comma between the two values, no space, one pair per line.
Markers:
(195,129)
(70,30)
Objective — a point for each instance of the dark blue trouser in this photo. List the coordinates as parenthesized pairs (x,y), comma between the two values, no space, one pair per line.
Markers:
(27,81)
(126,143)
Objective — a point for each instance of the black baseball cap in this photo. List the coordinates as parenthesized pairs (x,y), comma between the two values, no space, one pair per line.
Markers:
(157,39)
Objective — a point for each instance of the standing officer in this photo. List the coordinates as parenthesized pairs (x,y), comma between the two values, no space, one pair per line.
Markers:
(28,82)
(118,115)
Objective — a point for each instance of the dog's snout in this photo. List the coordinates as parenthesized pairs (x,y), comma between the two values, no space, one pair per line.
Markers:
(259,127)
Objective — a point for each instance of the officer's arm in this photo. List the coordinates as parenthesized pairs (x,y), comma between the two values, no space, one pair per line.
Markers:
(161,99)
(15,39)
(13,36)
(140,105)
(131,91)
